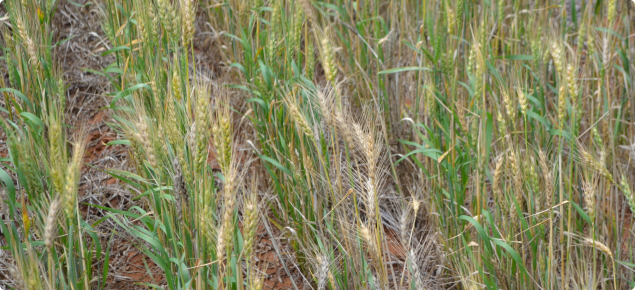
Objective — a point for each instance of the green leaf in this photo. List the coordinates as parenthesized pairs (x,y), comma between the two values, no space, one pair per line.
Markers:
(180,266)
(481,231)
(265,74)
(406,142)
(33,118)
(119,142)
(489,127)
(114,173)
(558,132)
(402,69)
(626,75)
(236,38)
(106,262)
(408,44)
(59,43)
(519,57)
(535,101)
(488,218)
(155,189)
(114,70)
(533,115)
(244,88)
(8,183)
(467,87)
(34,244)
(99,221)
(239,66)
(512,252)
(494,71)
(152,240)
(259,101)
(626,263)
(117,211)
(581,212)
(91,232)
(430,152)
(19,94)
(127,174)
(276,164)
(94,72)
(610,31)
(127,92)
(124,109)
(115,49)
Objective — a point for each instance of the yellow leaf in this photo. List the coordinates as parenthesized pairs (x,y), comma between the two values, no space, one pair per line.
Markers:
(40,15)
(443,156)
(25,216)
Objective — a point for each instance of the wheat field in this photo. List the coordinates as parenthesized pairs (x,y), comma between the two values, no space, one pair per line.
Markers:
(304,144)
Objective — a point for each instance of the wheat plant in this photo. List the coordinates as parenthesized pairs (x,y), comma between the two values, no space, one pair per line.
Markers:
(390,144)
